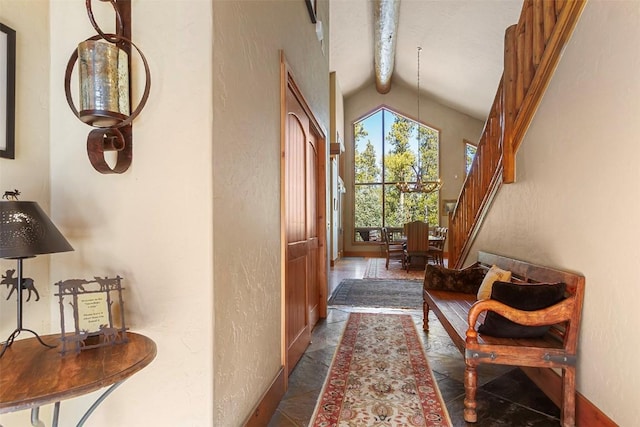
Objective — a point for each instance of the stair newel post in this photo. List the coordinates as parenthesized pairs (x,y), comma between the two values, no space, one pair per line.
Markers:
(509,103)
(451,249)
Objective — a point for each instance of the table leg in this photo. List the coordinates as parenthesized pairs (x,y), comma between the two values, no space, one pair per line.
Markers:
(35,417)
(98,402)
(56,414)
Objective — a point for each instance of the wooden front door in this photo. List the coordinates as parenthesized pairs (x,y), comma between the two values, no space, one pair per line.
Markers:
(305,256)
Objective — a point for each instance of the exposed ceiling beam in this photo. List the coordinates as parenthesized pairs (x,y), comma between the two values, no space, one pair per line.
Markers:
(385,14)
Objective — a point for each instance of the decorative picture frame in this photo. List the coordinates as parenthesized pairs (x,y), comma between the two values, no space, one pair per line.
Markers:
(7,91)
(96,322)
(311,7)
(448,206)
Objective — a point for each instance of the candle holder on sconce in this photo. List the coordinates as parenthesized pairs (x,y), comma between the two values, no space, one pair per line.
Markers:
(105,89)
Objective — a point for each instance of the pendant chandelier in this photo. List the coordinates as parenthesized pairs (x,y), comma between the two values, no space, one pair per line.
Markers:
(419,185)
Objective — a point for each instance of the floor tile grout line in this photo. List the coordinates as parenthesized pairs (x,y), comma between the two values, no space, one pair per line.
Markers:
(501,397)
(284,414)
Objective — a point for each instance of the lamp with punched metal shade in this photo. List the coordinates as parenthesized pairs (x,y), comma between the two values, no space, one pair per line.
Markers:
(25,232)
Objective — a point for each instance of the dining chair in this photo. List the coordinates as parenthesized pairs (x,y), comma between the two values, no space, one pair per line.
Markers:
(417,249)
(436,246)
(392,250)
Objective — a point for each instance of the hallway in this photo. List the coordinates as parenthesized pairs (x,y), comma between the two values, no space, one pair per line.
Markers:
(505,395)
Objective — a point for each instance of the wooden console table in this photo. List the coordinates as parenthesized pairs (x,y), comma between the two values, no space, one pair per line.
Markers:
(32,375)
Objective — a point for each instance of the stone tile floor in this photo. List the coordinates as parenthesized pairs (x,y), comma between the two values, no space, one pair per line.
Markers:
(506,397)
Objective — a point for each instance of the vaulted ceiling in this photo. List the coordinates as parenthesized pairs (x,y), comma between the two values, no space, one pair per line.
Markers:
(462,42)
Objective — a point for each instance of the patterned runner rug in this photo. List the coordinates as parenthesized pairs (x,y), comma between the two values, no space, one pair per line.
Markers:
(380,377)
(376,270)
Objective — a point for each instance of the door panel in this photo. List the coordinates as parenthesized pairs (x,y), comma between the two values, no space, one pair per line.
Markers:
(298,332)
(296,302)
(312,230)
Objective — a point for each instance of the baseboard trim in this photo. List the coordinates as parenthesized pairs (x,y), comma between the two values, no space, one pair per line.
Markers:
(550,382)
(267,405)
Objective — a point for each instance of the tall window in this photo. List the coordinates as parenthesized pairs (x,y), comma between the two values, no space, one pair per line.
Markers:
(390,148)
(469,154)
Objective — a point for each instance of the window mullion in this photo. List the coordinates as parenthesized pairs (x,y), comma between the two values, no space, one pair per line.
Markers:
(384,174)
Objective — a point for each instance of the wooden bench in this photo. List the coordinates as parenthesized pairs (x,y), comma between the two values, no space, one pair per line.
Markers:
(461,314)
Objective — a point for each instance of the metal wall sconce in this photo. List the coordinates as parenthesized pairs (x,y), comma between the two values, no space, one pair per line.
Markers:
(105,89)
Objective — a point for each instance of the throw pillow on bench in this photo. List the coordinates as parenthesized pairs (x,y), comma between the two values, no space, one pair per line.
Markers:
(527,297)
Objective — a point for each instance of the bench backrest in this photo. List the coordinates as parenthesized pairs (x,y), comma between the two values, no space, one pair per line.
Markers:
(524,272)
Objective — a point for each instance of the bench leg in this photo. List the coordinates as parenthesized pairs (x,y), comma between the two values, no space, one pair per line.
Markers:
(470,386)
(425,315)
(569,397)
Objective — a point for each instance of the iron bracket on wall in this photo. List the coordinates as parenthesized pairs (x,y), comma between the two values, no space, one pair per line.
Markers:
(117,137)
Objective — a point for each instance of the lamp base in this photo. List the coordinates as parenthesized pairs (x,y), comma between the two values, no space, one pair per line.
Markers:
(19,285)
(15,334)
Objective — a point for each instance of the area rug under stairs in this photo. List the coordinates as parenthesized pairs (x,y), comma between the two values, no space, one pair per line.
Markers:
(379,376)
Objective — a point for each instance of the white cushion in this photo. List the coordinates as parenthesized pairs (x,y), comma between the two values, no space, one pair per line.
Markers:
(494,273)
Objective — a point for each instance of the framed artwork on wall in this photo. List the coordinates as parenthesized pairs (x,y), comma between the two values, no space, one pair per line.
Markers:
(448,206)
(7,91)
(311,6)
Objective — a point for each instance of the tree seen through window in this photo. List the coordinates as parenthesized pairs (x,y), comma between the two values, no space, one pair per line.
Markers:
(469,154)
(390,148)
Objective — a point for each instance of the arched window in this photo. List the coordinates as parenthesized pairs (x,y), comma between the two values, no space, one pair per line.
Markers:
(390,149)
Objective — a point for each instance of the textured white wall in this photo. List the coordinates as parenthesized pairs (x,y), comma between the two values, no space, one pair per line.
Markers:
(246,166)
(575,204)
(151,225)
(454,128)
(29,171)
(337,111)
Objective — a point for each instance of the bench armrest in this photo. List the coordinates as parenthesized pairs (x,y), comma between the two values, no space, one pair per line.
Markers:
(560,312)
(467,280)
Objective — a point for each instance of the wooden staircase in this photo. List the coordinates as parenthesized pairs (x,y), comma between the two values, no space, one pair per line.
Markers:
(532,50)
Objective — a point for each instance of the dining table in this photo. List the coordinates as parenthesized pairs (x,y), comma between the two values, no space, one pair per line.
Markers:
(396,235)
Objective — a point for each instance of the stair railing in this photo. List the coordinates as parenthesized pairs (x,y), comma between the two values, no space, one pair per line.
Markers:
(531,53)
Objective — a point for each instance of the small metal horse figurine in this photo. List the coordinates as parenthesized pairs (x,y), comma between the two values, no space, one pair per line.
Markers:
(11,195)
